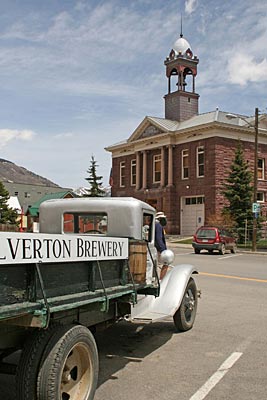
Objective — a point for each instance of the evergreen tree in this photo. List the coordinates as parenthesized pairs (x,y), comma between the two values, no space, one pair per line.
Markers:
(94,181)
(238,191)
(7,215)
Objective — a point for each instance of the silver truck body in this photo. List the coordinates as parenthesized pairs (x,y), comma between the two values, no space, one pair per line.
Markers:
(92,263)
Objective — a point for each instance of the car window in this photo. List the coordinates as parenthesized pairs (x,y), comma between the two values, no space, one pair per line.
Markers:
(91,223)
(206,233)
(147,227)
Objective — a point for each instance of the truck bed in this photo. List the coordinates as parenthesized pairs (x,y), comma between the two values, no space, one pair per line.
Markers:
(30,292)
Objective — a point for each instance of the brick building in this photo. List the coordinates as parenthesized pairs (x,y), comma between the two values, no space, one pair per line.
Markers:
(178,163)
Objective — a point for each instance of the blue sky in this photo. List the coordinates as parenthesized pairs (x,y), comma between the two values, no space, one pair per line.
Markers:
(77,76)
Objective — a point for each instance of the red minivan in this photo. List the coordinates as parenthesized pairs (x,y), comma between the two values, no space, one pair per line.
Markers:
(212,238)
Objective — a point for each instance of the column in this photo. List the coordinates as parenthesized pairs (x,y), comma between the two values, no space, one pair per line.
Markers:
(170,165)
(144,170)
(137,170)
(162,181)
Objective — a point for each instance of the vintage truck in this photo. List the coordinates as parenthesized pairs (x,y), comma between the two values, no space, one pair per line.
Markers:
(92,263)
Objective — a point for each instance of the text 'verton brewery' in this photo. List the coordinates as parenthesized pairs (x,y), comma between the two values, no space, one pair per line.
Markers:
(26,248)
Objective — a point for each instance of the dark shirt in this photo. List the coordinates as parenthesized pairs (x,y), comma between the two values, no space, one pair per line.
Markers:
(160,242)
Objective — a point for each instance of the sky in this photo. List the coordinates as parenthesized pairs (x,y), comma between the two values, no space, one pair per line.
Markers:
(77,76)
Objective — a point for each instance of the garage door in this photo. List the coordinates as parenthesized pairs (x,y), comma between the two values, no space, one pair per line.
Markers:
(192,214)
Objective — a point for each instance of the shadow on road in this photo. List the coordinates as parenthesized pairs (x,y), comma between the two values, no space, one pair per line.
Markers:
(118,345)
(125,342)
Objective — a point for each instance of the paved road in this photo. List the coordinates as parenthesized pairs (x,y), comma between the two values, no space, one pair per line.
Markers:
(222,357)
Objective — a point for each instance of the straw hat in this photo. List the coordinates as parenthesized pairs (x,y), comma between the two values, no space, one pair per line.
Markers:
(160,214)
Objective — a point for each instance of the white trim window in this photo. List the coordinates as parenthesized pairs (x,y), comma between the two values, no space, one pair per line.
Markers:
(157,168)
(185,164)
(261,166)
(200,161)
(133,172)
(122,174)
(260,197)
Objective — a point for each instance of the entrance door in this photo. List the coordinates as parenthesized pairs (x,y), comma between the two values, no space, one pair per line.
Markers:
(192,214)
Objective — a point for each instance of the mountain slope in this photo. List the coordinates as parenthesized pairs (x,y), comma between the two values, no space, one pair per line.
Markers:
(10,172)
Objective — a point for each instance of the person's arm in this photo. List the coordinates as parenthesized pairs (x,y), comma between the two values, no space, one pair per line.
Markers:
(159,238)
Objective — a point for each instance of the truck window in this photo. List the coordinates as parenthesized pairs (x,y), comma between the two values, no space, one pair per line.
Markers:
(91,223)
(147,227)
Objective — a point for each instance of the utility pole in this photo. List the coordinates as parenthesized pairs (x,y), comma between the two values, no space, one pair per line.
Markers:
(255,187)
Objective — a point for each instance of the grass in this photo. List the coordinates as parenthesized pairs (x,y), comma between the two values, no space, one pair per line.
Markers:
(261,245)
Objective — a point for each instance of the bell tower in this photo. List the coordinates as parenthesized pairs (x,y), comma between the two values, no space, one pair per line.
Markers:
(181,102)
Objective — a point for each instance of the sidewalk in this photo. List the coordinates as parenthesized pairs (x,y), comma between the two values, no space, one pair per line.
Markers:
(173,242)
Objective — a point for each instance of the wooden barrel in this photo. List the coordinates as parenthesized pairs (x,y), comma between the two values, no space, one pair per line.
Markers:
(138,260)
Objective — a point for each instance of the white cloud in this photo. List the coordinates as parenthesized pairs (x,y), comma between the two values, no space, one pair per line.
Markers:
(64,135)
(244,68)
(190,6)
(83,74)
(8,135)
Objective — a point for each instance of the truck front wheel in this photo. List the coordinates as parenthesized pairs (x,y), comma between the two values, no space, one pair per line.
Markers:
(69,367)
(184,317)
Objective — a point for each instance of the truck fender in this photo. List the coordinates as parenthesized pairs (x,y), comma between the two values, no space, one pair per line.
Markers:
(172,289)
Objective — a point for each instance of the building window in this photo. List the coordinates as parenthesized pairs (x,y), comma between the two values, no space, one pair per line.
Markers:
(133,172)
(185,164)
(157,168)
(200,162)
(260,197)
(261,168)
(122,174)
(192,201)
(16,193)
(27,195)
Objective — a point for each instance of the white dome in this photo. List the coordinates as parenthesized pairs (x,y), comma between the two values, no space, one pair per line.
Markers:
(181,45)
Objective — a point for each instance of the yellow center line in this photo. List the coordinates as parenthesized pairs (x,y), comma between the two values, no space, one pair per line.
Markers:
(234,277)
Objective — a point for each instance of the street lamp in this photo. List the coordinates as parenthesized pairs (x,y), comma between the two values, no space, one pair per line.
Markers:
(255,180)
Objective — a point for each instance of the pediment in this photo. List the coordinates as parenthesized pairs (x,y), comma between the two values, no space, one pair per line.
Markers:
(145,130)
(150,130)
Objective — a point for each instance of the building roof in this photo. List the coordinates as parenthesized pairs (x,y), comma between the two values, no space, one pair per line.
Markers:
(167,126)
(13,202)
(33,211)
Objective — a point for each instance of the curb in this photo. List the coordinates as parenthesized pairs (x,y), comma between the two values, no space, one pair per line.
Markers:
(189,246)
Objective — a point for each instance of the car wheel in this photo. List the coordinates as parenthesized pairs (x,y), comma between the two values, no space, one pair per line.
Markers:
(210,251)
(222,250)
(184,317)
(234,249)
(197,251)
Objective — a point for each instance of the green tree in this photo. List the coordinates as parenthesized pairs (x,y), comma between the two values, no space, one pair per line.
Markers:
(7,215)
(94,180)
(238,191)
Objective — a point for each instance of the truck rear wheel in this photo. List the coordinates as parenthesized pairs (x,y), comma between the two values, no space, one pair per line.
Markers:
(69,368)
(29,363)
(184,317)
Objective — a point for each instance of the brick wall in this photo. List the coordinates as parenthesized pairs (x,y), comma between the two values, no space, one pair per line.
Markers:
(219,155)
(180,106)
